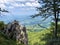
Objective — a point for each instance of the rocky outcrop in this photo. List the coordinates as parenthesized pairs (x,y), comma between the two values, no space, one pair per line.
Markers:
(15,31)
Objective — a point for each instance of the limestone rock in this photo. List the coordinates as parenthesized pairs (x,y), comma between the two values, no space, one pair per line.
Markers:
(15,31)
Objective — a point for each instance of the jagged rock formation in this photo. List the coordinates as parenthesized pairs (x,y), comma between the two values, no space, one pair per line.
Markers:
(15,31)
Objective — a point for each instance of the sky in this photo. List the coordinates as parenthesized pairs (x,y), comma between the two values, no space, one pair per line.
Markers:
(20,7)
(20,10)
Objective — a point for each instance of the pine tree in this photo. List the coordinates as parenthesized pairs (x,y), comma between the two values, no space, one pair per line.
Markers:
(49,8)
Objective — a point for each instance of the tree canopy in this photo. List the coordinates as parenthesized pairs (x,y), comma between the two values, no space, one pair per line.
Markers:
(49,8)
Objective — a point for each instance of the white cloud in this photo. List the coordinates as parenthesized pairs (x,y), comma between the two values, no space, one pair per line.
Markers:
(31,0)
(24,0)
(2,6)
(22,5)
(21,0)
(28,4)
(18,5)
(35,4)
(13,4)
(3,1)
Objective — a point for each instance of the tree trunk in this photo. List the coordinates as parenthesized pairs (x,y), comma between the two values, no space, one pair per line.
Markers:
(56,21)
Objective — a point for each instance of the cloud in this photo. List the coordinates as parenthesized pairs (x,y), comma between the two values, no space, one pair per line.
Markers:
(21,0)
(2,6)
(35,4)
(28,4)
(25,0)
(31,0)
(20,3)
(3,1)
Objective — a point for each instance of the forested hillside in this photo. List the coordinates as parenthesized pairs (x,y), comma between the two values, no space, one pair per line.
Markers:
(35,36)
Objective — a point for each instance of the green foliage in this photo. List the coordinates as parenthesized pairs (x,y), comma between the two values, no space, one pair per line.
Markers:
(58,28)
(49,8)
(35,38)
(49,37)
(5,41)
(45,37)
(1,25)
